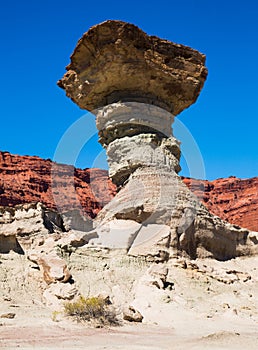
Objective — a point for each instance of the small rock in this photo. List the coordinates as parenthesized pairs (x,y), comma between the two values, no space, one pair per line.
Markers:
(9,315)
(7,299)
(132,315)
(235,311)
(105,297)
(53,267)
(59,291)
(157,276)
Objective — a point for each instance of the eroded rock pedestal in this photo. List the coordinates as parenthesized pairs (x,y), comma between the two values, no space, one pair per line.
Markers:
(135,84)
(163,216)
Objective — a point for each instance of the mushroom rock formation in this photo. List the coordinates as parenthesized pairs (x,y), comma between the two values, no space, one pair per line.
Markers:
(133,83)
(116,61)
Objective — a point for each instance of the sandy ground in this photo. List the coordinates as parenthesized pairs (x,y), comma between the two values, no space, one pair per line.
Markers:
(47,335)
(212,305)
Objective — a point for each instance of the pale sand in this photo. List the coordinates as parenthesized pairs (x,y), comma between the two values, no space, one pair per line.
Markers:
(200,312)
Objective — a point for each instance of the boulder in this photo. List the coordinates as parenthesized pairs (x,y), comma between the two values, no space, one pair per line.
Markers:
(132,315)
(116,233)
(57,293)
(53,267)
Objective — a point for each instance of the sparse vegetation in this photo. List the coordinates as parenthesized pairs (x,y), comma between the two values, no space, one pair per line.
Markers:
(94,310)
(55,315)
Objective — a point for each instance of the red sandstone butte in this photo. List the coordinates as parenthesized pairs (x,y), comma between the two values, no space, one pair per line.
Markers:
(25,179)
(232,199)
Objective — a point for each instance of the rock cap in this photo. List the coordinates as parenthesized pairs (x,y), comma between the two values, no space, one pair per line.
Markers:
(116,61)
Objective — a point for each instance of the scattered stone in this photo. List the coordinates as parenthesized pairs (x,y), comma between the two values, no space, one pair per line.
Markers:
(158,275)
(132,315)
(63,291)
(7,298)
(9,315)
(105,297)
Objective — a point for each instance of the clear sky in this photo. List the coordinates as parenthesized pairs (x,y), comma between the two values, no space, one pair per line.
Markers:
(37,38)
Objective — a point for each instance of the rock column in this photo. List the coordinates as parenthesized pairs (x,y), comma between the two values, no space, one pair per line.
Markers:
(135,84)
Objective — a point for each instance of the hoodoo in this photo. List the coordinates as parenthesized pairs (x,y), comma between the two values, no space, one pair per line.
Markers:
(136,84)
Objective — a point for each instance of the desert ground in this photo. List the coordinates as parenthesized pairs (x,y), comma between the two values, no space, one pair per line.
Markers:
(209,305)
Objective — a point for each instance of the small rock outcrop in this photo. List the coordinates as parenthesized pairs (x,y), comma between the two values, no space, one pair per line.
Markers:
(26,225)
(58,282)
(35,231)
(133,83)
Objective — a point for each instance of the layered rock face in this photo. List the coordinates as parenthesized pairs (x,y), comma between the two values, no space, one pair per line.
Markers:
(32,179)
(28,225)
(24,178)
(232,199)
(133,82)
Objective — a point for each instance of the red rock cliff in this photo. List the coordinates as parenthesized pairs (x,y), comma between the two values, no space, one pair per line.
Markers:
(25,179)
(234,200)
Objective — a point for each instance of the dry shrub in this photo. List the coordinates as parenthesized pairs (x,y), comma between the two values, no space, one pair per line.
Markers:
(93,309)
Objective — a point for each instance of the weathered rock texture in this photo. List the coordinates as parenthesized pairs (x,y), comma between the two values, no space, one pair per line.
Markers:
(116,61)
(30,179)
(23,178)
(35,231)
(171,217)
(24,225)
(232,199)
(133,82)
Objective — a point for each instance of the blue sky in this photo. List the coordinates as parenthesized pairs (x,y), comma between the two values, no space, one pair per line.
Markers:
(37,38)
